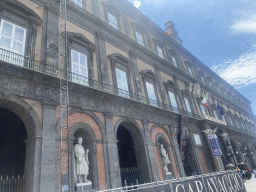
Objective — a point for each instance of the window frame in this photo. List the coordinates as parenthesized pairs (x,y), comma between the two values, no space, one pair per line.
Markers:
(78,43)
(150,77)
(142,43)
(184,98)
(121,63)
(158,48)
(82,2)
(203,106)
(114,11)
(173,55)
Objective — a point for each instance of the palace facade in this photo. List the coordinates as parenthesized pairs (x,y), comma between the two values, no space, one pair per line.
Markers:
(130,83)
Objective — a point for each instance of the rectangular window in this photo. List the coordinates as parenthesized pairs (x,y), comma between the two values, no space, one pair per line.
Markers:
(77,2)
(230,120)
(172,99)
(139,38)
(12,39)
(223,118)
(79,68)
(190,72)
(203,109)
(215,114)
(202,78)
(122,84)
(160,52)
(112,21)
(151,94)
(174,61)
(187,105)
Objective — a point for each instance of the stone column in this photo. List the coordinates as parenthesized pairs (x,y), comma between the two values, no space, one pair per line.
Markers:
(150,153)
(103,58)
(48,179)
(136,75)
(176,152)
(112,154)
(161,85)
(232,158)
(216,159)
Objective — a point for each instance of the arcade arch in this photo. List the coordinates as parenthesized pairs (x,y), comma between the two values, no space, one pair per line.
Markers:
(132,153)
(22,125)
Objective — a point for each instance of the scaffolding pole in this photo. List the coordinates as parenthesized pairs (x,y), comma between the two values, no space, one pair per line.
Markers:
(64,97)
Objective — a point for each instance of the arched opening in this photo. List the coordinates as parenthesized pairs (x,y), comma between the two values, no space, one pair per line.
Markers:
(224,157)
(189,162)
(161,140)
(87,144)
(132,155)
(12,144)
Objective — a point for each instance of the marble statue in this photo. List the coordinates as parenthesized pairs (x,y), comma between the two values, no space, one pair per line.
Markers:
(165,159)
(81,162)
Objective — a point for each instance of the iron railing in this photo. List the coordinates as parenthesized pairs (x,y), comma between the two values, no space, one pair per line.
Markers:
(41,67)
(11,184)
(53,71)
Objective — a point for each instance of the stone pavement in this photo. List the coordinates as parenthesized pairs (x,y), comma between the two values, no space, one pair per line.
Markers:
(251,185)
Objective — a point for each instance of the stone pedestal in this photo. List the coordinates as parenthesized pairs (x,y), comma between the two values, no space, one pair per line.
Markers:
(168,176)
(84,187)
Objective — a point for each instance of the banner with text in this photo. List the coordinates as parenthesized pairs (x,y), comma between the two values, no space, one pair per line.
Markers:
(215,145)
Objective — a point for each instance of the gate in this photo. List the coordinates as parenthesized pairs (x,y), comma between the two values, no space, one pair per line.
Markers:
(11,184)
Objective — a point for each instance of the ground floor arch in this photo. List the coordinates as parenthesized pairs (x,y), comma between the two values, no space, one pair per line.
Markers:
(20,142)
(189,161)
(132,154)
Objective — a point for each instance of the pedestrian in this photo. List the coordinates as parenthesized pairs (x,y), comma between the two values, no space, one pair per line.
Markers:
(254,172)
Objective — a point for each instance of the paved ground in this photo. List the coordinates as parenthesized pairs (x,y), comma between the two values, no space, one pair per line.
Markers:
(251,185)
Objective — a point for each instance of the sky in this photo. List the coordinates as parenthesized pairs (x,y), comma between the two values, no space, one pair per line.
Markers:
(220,33)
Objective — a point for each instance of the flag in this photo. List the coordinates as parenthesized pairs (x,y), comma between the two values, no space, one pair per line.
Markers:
(220,109)
(183,136)
(204,101)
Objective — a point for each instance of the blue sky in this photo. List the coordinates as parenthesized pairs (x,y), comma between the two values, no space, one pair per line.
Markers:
(220,33)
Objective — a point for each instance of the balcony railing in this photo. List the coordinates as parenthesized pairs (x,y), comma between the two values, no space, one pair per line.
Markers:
(53,71)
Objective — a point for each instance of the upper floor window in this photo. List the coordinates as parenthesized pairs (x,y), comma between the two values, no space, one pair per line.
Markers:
(172,99)
(230,120)
(12,37)
(203,109)
(174,62)
(160,52)
(139,38)
(190,71)
(122,84)
(79,68)
(151,93)
(187,105)
(77,2)
(215,114)
(112,21)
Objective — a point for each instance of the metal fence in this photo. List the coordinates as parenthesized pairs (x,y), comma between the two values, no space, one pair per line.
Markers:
(11,184)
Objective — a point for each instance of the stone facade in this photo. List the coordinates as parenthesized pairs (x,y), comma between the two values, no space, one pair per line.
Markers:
(29,87)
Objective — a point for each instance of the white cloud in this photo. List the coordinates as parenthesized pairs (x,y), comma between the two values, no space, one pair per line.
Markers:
(136,3)
(245,25)
(239,72)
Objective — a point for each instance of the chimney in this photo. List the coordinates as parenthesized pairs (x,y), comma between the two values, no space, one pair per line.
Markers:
(172,32)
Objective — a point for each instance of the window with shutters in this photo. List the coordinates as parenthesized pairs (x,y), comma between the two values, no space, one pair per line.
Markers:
(79,68)
(139,38)
(203,109)
(112,21)
(187,105)
(151,94)
(12,39)
(172,99)
(160,52)
(77,2)
(122,83)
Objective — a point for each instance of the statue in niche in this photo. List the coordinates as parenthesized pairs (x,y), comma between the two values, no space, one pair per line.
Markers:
(165,159)
(81,162)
